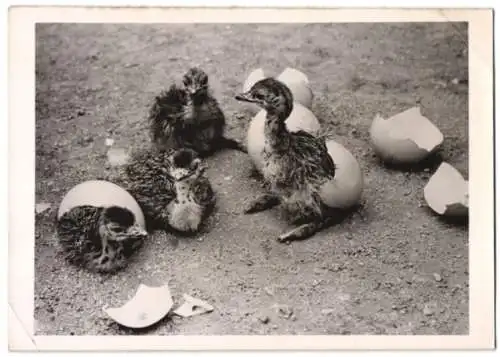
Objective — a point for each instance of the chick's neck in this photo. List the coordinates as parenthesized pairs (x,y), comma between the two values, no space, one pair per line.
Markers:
(275,130)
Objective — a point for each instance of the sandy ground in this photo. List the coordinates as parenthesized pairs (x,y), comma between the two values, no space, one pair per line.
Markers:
(392,268)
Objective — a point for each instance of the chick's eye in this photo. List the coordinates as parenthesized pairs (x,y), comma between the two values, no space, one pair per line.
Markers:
(117,229)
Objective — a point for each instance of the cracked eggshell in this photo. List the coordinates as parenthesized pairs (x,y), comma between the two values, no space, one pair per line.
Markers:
(447,192)
(301,118)
(148,306)
(345,190)
(405,138)
(295,80)
(100,193)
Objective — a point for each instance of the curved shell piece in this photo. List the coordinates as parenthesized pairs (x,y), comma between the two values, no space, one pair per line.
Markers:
(100,193)
(148,306)
(446,192)
(407,137)
(345,190)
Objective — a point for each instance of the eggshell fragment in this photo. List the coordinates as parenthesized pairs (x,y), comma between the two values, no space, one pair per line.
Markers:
(99,193)
(295,80)
(301,118)
(405,138)
(447,192)
(148,306)
(193,306)
(345,190)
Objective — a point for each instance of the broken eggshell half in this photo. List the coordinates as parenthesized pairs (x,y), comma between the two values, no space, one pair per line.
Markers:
(148,306)
(295,80)
(345,189)
(405,138)
(301,118)
(447,192)
(100,193)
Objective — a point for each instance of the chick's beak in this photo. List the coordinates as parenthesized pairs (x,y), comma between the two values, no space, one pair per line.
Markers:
(138,231)
(244,97)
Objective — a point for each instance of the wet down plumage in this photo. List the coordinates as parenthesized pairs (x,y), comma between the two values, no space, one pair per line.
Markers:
(295,164)
(188,116)
(100,239)
(171,187)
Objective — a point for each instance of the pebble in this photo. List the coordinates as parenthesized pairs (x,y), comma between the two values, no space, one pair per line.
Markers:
(327,311)
(80,112)
(428,311)
(437,277)
(285,311)
(264,319)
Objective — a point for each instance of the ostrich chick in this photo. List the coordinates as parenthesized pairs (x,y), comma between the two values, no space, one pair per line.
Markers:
(295,164)
(171,188)
(101,239)
(190,117)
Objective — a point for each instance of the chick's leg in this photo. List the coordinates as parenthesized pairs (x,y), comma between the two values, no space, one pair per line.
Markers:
(302,232)
(261,203)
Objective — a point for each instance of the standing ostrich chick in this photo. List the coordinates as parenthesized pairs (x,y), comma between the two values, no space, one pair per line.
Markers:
(296,165)
(100,239)
(190,117)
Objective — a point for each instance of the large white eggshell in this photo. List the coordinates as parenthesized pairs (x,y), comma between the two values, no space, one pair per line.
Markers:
(406,138)
(301,118)
(447,192)
(148,306)
(100,193)
(296,81)
(345,190)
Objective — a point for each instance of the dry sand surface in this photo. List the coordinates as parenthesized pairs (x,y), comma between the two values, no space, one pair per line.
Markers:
(391,268)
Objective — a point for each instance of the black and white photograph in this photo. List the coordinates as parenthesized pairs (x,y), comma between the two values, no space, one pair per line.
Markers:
(262,178)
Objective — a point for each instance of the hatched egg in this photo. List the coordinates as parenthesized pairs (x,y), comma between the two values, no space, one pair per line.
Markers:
(295,80)
(99,193)
(148,306)
(301,118)
(345,190)
(405,138)
(447,192)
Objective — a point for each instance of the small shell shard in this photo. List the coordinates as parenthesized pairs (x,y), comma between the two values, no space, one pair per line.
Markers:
(193,306)
(42,207)
(446,192)
(148,306)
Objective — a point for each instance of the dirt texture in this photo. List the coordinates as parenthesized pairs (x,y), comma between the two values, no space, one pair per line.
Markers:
(393,267)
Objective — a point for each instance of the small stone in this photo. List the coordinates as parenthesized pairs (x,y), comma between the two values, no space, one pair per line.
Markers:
(327,311)
(285,311)
(80,112)
(264,319)
(394,307)
(268,291)
(427,311)
(437,277)
(455,81)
